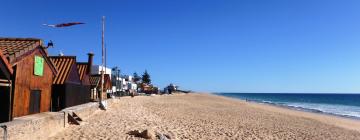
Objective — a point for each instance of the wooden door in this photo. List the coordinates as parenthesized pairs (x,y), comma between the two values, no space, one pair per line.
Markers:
(35,97)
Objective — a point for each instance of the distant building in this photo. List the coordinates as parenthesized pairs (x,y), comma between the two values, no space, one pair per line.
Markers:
(128,85)
(95,81)
(25,67)
(123,84)
(132,86)
(96,72)
(116,81)
(96,69)
(128,78)
(146,88)
(170,88)
(95,89)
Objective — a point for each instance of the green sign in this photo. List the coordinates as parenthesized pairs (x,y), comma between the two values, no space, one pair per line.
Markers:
(39,66)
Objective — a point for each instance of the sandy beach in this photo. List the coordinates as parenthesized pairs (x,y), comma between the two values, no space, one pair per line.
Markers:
(204,116)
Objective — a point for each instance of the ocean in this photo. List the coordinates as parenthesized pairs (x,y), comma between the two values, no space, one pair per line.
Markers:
(344,105)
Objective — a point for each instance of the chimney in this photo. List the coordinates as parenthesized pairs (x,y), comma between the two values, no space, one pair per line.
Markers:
(90,62)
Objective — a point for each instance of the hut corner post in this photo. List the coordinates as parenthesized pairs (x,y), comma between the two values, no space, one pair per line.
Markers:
(10,100)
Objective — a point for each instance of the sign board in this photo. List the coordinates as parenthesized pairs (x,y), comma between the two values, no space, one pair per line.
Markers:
(39,66)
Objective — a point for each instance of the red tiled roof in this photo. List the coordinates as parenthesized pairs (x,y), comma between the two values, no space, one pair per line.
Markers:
(15,47)
(82,69)
(63,65)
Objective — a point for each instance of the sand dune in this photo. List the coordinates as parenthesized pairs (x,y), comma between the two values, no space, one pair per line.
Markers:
(202,116)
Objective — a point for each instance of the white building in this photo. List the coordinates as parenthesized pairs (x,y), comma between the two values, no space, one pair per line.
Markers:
(129,78)
(127,83)
(132,86)
(96,69)
(119,84)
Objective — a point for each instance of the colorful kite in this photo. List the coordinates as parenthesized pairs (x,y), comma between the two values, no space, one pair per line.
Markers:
(63,24)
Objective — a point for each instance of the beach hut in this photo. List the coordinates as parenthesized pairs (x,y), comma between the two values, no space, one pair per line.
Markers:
(26,76)
(67,85)
(95,81)
(84,70)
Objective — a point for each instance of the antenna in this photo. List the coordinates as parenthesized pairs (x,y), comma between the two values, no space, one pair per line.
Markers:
(61,53)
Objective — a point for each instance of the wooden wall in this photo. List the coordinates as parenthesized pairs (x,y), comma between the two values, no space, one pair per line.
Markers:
(68,95)
(86,80)
(73,76)
(25,81)
(71,93)
(76,95)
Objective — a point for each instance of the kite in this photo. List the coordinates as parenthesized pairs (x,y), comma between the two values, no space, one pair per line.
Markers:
(63,24)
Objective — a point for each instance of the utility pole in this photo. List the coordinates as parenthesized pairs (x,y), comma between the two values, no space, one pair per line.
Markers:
(102,60)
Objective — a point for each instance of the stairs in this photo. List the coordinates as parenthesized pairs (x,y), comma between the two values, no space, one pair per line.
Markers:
(74,119)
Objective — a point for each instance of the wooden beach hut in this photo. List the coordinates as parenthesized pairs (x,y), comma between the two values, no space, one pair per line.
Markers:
(107,83)
(26,77)
(84,70)
(67,85)
(95,81)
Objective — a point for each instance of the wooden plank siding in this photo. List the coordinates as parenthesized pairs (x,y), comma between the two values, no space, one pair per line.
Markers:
(84,73)
(19,56)
(25,81)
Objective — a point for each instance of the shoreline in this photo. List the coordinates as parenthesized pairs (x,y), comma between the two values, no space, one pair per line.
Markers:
(208,116)
(292,107)
(308,110)
(349,121)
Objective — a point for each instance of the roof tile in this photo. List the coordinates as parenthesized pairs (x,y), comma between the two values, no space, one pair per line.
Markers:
(15,47)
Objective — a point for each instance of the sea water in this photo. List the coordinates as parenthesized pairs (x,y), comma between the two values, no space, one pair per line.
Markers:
(345,105)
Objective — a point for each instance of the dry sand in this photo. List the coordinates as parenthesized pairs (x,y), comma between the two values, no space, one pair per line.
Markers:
(203,116)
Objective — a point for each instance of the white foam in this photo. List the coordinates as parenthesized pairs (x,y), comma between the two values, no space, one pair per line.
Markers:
(343,110)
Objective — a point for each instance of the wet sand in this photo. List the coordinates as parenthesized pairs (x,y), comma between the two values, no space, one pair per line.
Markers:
(204,116)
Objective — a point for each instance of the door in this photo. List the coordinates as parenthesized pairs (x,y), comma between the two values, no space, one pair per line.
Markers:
(5,104)
(35,97)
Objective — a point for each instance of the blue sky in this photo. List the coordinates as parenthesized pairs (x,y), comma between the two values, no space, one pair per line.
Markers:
(207,45)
